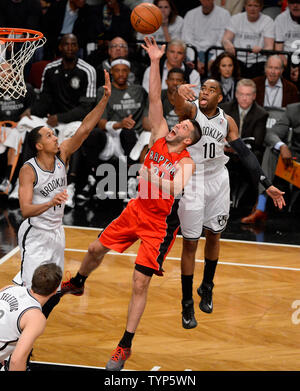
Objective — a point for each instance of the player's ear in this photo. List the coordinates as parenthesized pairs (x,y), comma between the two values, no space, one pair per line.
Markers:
(188,141)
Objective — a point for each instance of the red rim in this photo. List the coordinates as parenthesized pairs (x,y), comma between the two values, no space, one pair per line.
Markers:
(5,31)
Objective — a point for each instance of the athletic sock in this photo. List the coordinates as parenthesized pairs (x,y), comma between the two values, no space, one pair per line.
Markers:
(209,270)
(261,204)
(78,280)
(8,171)
(187,287)
(126,340)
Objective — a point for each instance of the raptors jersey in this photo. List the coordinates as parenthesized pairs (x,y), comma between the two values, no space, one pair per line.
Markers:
(14,301)
(209,150)
(47,184)
(151,198)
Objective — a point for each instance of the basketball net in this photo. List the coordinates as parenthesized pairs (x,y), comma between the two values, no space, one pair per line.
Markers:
(17,46)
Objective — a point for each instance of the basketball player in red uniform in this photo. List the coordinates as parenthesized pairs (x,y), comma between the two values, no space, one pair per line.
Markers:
(152,216)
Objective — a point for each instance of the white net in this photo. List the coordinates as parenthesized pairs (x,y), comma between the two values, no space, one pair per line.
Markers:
(16,49)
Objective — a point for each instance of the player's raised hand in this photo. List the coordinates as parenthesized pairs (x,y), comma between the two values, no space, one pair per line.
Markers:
(186,91)
(154,52)
(107,85)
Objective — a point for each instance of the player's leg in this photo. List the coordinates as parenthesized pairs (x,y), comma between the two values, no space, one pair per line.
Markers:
(140,285)
(91,261)
(211,256)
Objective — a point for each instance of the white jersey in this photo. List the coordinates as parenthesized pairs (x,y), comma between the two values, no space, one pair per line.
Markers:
(14,302)
(287,31)
(208,152)
(47,184)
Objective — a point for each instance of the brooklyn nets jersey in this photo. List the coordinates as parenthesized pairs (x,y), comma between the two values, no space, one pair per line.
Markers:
(47,185)
(209,150)
(14,301)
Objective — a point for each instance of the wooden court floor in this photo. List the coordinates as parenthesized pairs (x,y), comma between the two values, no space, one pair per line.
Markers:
(255,325)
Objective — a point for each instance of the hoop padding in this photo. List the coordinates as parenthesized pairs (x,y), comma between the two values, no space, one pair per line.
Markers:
(17,46)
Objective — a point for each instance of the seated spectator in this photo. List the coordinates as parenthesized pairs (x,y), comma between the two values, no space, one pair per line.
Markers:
(172,23)
(277,142)
(113,19)
(226,70)
(66,17)
(272,89)
(174,58)
(175,78)
(287,30)
(251,120)
(68,93)
(122,129)
(233,6)
(117,47)
(11,110)
(250,30)
(204,27)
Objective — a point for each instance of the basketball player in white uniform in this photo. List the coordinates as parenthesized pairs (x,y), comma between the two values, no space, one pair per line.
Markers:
(21,317)
(42,195)
(206,200)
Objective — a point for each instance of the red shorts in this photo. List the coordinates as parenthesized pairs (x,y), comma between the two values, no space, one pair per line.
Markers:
(157,235)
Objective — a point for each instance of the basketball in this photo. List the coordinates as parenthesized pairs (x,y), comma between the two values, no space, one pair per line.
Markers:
(146,18)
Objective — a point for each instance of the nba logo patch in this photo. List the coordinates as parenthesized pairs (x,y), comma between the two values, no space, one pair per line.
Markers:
(221,121)
(59,165)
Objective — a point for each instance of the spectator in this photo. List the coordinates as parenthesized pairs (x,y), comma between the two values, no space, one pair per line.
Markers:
(175,55)
(226,70)
(68,93)
(250,30)
(204,27)
(113,19)
(276,141)
(22,14)
(174,79)
(287,30)
(117,47)
(122,125)
(272,89)
(233,6)
(251,120)
(11,110)
(66,17)
(172,23)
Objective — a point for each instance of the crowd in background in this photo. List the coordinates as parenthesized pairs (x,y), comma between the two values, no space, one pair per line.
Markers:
(250,47)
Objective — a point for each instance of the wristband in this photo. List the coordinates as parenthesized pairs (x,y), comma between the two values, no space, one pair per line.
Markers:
(109,126)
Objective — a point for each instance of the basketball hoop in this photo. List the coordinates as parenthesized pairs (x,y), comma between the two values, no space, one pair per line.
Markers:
(17,46)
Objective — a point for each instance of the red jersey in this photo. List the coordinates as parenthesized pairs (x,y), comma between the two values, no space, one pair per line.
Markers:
(151,198)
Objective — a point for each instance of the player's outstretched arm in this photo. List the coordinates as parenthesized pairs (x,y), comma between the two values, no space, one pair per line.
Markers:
(70,145)
(159,127)
(250,161)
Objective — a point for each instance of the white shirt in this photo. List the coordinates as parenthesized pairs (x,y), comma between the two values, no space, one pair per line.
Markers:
(273,94)
(175,31)
(203,31)
(287,31)
(194,79)
(248,34)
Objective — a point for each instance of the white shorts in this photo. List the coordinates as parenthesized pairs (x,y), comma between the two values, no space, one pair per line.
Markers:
(205,204)
(38,246)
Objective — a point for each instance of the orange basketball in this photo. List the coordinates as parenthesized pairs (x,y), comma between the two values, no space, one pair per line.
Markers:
(146,18)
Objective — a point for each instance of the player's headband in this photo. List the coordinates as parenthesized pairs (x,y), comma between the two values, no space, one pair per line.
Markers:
(120,61)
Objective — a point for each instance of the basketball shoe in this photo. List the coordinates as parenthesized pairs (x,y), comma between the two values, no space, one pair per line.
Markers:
(205,292)
(69,287)
(188,318)
(118,358)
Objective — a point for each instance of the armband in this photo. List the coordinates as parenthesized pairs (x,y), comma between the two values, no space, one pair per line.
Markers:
(250,161)
(109,126)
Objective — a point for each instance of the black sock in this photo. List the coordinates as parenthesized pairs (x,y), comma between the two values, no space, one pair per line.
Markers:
(126,340)
(8,171)
(209,270)
(50,304)
(187,287)
(78,280)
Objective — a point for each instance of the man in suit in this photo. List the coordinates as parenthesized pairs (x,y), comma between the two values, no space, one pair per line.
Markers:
(251,120)
(272,89)
(276,140)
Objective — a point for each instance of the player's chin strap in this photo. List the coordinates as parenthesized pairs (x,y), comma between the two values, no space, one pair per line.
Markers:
(250,161)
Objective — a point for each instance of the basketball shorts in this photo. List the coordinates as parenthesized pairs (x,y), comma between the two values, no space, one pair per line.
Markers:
(157,235)
(38,246)
(205,204)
